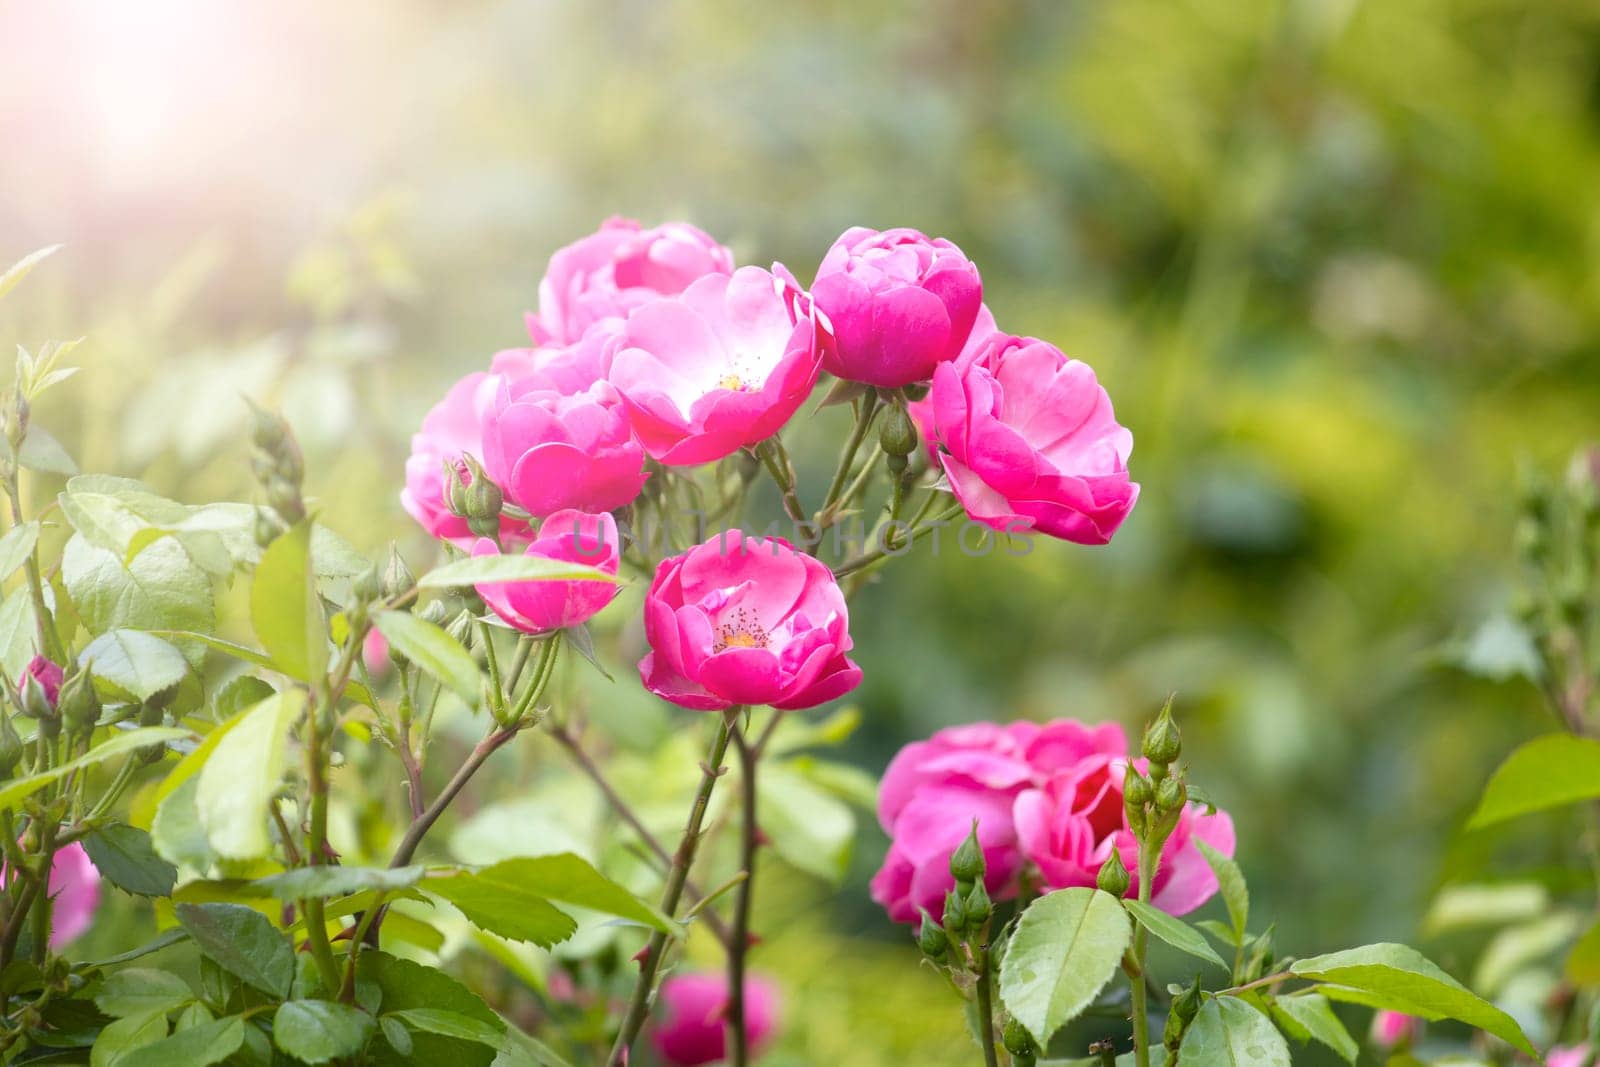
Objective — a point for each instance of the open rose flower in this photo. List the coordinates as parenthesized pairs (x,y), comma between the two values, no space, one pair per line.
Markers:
(454,427)
(555,436)
(692,1028)
(934,789)
(1068,827)
(611,272)
(537,607)
(922,410)
(1030,443)
(720,367)
(900,303)
(746,620)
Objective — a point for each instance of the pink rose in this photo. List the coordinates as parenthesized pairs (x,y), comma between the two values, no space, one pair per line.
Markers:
(934,789)
(746,620)
(1031,444)
(720,367)
(555,436)
(75,886)
(611,272)
(375,653)
(900,303)
(1068,827)
(1392,1028)
(454,427)
(693,1029)
(921,411)
(1570,1056)
(537,607)
(47,674)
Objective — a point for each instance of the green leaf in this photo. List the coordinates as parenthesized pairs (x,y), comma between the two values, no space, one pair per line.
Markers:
(125,856)
(505,909)
(395,1032)
(1175,932)
(407,986)
(570,879)
(1231,1033)
(133,665)
(435,651)
(140,991)
(1312,1013)
(41,452)
(242,942)
(809,826)
(120,1039)
(238,694)
(1402,979)
(176,833)
(506,568)
(452,1024)
(518,1049)
(306,882)
(1235,895)
(20,269)
(18,634)
(1583,963)
(190,764)
(1461,907)
(1066,947)
(317,1031)
(1547,772)
(161,590)
(197,1046)
(117,745)
(16,547)
(243,772)
(284,607)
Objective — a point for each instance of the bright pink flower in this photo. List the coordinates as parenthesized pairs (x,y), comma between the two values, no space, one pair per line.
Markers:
(746,620)
(555,436)
(1570,1056)
(693,1025)
(1068,827)
(899,302)
(1392,1028)
(934,789)
(454,427)
(611,272)
(375,653)
(75,886)
(1031,444)
(48,675)
(537,607)
(720,367)
(922,410)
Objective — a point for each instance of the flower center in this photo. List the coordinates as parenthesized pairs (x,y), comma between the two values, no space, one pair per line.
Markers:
(731,381)
(742,631)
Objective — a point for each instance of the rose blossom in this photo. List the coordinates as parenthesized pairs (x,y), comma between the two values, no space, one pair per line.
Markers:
(1030,442)
(693,1025)
(746,620)
(1391,1028)
(616,269)
(554,436)
(47,673)
(899,302)
(1570,1056)
(452,428)
(1068,827)
(934,789)
(536,607)
(720,367)
(75,887)
(921,411)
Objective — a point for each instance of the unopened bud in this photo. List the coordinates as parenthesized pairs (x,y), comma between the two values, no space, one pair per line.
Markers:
(955,914)
(37,701)
(368,585)
(966,862)
(898,434)
(455,487)
(435,612)
(267,528)
(1017,1040)
(1171,795)
(79,704)
(978,906)
(1163,743)
(931,938)
(1186,1005)
(1137,793)
(1113,877)
(483,501)
(397,577)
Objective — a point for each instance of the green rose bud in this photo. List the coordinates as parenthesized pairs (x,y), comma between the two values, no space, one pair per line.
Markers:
(397,577)
(966,863)
(898,434)
(932,939)
(1113,877)
(1163,743)
(1017,1040)
(78,703)
(955,914)
(978,906)
(483,500)
(1171,795)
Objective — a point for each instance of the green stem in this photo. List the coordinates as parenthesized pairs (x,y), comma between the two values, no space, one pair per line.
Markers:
(868,559)
(672,894)
(1148,860)
(739,943)
(847,458)
(985,995)
(773,456)
(497,696)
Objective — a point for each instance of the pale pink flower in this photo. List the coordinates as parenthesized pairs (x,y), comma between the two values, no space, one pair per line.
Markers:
(692,1028)
(1570,1056)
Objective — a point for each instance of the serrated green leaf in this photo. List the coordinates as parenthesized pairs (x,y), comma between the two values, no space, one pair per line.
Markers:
(435,652)
(1402,979)
(133,666)
(126,858)
(476,570)
(242,942)
(285,609)
(118,744)
(317,1031)
(1312,1013)
(41,452)
(161,590)
(1547,772)
(1175,932)
(406,986)
(571,879)
(198,1046)
(518,1049)
(122,1038)
(504,909)
(395,1032)
(243,772)
(306,882)
(141,991)
(16,547)
(1230,879)
(1066,947)
(451,1024)
(1228,1032)
(176,833)
(18,634)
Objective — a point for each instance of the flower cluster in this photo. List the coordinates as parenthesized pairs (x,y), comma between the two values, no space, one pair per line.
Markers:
(1048,803)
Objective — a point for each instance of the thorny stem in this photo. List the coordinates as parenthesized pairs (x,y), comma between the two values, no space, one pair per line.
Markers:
(985,997)
(672,894)
(1149,858)
(739,945)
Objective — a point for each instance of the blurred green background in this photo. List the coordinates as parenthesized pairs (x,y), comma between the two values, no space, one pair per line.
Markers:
(1338,263)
